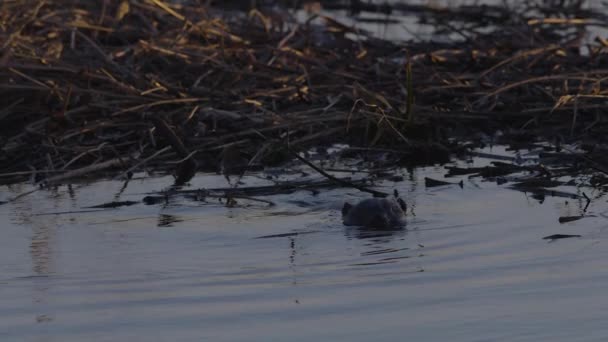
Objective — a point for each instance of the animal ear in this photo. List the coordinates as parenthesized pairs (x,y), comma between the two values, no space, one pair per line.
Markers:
(346,208)
(402,204)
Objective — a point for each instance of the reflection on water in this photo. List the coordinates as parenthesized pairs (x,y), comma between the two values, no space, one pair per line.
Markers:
(165,220)
(377,235)
(471,261)
(41,251)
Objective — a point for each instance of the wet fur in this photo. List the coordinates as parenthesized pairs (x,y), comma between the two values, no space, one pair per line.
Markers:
(375,213)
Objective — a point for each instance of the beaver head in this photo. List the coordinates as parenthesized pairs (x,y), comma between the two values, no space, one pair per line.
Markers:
(375,213)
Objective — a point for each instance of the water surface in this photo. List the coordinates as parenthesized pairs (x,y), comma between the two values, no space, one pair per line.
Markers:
(471,266)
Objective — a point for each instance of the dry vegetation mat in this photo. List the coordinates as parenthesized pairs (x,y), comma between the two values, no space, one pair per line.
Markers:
(112,87)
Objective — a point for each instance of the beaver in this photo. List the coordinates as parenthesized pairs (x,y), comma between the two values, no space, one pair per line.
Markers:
(375,213)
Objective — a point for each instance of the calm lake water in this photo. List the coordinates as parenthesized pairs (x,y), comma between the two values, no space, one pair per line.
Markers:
(471,266)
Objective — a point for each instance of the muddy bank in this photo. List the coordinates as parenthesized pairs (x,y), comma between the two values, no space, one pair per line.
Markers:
(113,88)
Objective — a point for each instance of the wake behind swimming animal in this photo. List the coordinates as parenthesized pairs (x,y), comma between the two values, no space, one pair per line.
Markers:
(375,213)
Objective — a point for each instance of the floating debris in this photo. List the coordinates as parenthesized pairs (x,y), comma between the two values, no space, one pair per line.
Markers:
(535,183)
(429,183)
(151,200)
(565,219)
(285,235)
(559,236)
(497,170)
(113,205)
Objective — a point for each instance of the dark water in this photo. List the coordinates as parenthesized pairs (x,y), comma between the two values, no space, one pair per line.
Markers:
(471,266)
